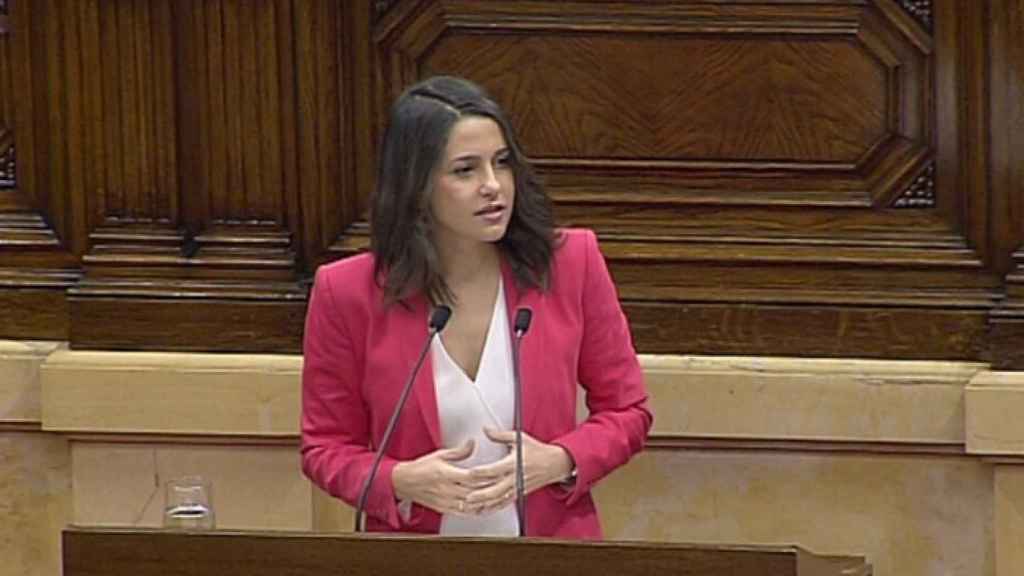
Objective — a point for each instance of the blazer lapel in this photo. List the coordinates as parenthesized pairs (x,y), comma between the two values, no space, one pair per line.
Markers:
(423,395)
(529,369)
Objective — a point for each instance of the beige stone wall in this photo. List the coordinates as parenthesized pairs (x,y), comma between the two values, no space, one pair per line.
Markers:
(35,469)
(917,465)
(907,515)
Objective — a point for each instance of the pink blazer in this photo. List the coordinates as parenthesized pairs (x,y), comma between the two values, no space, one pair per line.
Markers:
(358,354)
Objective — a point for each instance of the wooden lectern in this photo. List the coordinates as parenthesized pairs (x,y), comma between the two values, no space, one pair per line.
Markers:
(150,552)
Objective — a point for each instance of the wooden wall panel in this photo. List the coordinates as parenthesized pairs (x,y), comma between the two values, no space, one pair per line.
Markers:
(192,225)
(746,163)
(1006,54)
(38,262)
(818,178)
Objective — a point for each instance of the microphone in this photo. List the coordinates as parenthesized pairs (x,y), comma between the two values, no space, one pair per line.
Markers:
(522,324)
(438,318)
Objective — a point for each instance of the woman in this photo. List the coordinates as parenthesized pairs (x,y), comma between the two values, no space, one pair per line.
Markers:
(458,219)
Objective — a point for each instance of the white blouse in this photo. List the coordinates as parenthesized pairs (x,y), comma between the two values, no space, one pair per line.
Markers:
(465,407)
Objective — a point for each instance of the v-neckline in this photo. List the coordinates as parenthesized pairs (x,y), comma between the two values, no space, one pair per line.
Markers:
(499,300)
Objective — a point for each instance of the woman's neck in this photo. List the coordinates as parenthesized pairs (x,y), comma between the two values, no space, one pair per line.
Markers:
(464,264)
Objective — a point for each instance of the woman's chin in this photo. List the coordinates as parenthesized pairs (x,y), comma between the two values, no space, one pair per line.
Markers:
(493,233)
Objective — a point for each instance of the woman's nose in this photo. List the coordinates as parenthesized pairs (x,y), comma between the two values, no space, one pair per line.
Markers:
(490,185)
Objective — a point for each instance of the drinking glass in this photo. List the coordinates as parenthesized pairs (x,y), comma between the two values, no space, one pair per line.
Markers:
(188,504)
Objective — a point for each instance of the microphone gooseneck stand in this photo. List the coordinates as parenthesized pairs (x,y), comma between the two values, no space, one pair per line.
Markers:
(522,324)
(438,318)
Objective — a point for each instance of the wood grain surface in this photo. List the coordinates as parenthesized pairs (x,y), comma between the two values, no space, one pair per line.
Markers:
(820,178)
(115,552)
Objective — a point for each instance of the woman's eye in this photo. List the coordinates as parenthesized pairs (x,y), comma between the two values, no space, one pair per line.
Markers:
(463,170)
(502,161)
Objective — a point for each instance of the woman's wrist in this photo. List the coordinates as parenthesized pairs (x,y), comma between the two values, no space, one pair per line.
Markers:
(564,467)
(397,481)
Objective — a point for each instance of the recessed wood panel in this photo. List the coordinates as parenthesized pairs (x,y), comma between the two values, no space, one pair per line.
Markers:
(758,103)
(1007,178)
(193,321)
(679,98)
(833,331)
(228,58)
(32,302)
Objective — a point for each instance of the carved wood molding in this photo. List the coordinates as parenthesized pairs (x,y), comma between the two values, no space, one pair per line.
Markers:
(1007,320)
(7,173)
(34,212)
(26,231)
(920,193)
(382,7)
(921,10)
(7,176)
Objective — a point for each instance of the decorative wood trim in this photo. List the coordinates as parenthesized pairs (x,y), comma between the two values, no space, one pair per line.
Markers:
(1007,321)
(7,157)
(382,7)
(921,10)
(920,193)
(8,176)
(147,251)
(34,217)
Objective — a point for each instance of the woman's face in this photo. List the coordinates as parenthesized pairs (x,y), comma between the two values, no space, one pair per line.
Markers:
(474,187)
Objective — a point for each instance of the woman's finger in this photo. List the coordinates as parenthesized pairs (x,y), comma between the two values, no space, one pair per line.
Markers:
(490,473)
(490,494)
(460,452)
(501,436)
(503,500)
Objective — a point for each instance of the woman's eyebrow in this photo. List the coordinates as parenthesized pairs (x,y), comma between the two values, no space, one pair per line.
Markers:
(474,156)
(464,157)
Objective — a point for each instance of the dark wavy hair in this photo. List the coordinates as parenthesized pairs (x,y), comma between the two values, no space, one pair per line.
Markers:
(401,222)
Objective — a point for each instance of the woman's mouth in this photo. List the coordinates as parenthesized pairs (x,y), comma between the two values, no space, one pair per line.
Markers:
(492,212)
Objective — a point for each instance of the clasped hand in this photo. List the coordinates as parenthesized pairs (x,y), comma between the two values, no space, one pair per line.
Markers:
(435,481)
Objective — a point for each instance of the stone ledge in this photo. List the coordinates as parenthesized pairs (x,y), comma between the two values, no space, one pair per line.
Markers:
(19,379)
(171,393)
(693,397)
(994,405)
(809,399)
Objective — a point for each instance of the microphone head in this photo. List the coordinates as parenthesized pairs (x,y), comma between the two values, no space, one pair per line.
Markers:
(439,317)
(522,322)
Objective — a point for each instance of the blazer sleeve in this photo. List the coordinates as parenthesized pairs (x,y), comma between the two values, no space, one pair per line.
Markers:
(335,447)
(609,371)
